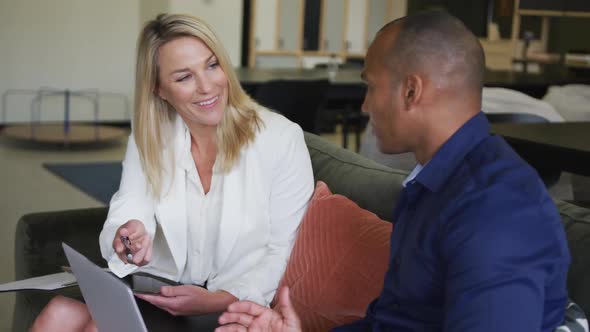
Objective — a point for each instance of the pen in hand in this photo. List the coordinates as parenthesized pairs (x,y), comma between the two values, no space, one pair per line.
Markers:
(127,244)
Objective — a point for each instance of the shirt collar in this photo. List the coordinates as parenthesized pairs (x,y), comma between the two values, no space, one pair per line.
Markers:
(413,174)
(453,152)
(186,159)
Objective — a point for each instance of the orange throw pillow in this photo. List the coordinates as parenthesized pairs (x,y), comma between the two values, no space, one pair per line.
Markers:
(338,263)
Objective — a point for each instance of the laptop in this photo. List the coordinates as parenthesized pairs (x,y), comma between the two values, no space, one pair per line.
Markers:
(110,301)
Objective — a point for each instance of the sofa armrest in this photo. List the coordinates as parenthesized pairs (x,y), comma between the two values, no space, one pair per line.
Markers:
(38,252)
(39,236)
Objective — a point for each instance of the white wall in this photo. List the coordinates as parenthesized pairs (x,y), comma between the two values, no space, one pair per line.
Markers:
(400,9)
(224,16)
(68,44)
(149,9)
(88,44)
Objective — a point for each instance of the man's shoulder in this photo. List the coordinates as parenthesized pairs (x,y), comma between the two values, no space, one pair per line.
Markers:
(494,164)
(495,183)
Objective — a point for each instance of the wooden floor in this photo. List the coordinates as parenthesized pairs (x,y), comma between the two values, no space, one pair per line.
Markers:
(25,187)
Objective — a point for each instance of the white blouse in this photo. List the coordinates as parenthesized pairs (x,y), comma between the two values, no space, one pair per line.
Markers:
(204,216)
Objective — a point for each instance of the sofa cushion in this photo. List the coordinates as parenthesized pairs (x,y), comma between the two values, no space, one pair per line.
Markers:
(576,221)
(372,186)
(338,262)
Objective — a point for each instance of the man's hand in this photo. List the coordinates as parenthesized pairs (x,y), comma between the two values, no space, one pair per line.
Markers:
(140,243)
(249,316)
(189,300)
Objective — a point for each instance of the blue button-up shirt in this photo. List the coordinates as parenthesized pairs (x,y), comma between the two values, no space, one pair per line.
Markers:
(478,245)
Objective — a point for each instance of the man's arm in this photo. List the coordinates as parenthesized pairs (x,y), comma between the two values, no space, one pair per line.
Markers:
(504,252)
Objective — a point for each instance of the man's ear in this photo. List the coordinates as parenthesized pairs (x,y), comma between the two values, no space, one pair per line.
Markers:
(412,91)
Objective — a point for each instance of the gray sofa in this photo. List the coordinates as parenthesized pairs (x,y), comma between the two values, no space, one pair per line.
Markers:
(372,186)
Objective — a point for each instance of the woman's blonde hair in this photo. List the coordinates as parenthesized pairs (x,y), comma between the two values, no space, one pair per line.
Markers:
(154,117)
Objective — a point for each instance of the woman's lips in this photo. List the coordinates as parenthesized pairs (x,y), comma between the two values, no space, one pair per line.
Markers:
(208,103)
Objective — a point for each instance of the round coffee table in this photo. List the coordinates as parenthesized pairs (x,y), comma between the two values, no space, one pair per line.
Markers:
(74,134)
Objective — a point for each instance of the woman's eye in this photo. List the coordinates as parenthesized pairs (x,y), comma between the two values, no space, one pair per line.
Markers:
(214,65)
(183,78)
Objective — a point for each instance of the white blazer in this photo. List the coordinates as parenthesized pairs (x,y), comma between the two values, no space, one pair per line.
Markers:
(265,196)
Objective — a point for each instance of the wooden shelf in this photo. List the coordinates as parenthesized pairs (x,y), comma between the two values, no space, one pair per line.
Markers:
(536,12)
(578,14)
(293,53)
(577,60)
(543,39)
(340,28)
(551,13)
(355,55)
(546,58)
(319,53)
(577,65)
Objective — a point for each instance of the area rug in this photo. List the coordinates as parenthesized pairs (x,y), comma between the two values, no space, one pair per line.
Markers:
(99,180)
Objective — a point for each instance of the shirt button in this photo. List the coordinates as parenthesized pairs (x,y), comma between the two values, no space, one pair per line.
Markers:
(396,305)
(396,263)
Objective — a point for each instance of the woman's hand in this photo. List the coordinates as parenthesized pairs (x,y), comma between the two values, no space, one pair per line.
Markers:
(189,300)
(249,316)
(139,244)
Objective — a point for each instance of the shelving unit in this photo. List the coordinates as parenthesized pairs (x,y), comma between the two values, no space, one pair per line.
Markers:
(284,37)
(546,10)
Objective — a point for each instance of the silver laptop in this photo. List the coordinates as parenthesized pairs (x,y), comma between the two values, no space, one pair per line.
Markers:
(110,301)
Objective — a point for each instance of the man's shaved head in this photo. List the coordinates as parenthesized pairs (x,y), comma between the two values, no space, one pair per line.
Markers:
(437,45)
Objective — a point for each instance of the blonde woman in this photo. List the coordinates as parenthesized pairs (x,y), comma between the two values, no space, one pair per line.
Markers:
(214,186)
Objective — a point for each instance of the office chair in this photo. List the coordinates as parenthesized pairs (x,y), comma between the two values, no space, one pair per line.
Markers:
(349,64)
(549,176)
(570,100)
(297,100)
(344,105)
(515,118)
(353,117)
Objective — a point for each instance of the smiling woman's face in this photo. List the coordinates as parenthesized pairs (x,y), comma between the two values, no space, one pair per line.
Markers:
(192,81)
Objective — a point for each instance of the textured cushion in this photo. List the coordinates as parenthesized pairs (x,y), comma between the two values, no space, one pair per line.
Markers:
(338,263)
(372,186)
(576,221)
(575,319)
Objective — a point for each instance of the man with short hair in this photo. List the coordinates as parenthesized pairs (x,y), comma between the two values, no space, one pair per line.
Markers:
(478,244)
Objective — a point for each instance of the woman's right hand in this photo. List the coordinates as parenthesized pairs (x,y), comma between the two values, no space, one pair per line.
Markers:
(140,243)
